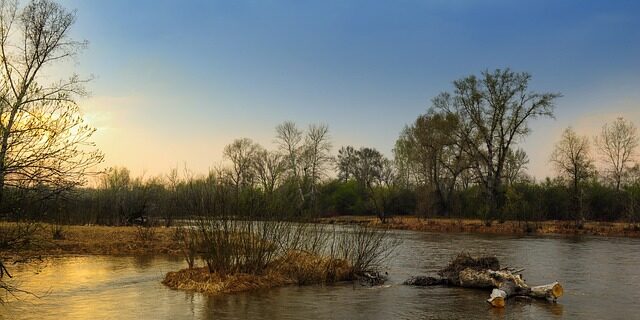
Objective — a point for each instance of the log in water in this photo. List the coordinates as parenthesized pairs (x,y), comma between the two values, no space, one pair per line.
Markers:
(485,273)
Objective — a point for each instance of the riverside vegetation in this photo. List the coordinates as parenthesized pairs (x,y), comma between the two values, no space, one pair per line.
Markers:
(461,159)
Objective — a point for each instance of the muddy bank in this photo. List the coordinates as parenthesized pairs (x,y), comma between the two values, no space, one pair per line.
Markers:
(616,229)
(90,240)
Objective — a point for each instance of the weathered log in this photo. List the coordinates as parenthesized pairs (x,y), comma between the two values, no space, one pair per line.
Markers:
(373,278)
(424,281)
(551,291)
(485,273)
(506,285)
(509,289)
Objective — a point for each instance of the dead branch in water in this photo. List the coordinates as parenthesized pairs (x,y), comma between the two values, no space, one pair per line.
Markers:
(485,272)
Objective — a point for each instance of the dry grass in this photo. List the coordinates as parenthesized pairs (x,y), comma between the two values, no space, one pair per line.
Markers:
(478,226)
(306,268)
(200,280)
(297,267)
(99,240)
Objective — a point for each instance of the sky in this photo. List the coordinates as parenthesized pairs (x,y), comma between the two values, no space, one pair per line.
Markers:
(175,81)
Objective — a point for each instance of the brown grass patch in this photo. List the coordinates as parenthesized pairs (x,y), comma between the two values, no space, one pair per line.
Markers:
(100,240)
(307,268)
(622,229)
(200,280)
(295,267)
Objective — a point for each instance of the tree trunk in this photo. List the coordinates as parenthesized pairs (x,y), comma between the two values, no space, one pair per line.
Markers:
(468,272)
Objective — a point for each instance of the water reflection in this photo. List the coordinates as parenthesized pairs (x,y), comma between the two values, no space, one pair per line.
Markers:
(129,287)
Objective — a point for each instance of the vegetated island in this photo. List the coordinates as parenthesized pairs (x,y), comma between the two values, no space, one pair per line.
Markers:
(247,255)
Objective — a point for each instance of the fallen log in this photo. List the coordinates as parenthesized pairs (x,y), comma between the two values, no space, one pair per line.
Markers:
(424,281)
(485,273)
(372,278)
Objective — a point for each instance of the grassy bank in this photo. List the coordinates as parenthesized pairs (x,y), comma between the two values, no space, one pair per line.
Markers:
(48,240)
(621,229)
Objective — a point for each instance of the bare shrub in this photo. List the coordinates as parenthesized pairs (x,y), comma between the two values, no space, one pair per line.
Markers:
(306,252)
(145,233)
(14,238)
(366,249)
(189,242)
(58,232)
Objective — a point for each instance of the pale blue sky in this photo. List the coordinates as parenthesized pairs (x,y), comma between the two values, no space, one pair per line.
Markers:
(177,80)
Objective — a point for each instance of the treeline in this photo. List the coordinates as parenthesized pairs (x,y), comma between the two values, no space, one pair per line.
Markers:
(460,159)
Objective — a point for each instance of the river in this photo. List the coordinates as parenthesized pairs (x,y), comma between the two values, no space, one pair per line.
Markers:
(601,277)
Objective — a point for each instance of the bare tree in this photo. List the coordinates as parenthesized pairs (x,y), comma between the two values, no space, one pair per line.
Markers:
(173,181)
(43,139)
(494,111)
(572,159)
(515,166)
(617,144)
(290,142)
(242,153)
(432,150)
(270,166)
(317,148)
(346,162)
(374,174)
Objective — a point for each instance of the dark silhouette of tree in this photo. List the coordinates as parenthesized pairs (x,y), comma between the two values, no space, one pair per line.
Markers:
(617,144)
(43,138)
(494,110)
(572,159)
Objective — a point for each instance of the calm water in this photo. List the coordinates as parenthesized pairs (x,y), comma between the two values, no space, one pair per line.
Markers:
(601,277)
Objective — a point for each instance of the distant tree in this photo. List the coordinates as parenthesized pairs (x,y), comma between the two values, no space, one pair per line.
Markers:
(346,162)
(270,166)
(494,111)
(290,142)
(374,174)
(431,148)
(243,153)
(317,148)
(368,166)
(617,144)
(407,170)
(172,209)
(43,138)
(515,166)
(572,159)
(116,183)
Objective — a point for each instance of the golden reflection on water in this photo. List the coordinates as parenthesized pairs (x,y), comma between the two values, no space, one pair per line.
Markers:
(130,288)
(87,288)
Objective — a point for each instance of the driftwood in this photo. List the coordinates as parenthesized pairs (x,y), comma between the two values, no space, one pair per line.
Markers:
(372,278)
(485,273)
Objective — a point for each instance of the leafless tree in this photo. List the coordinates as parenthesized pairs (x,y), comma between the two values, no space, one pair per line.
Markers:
(494,111)
(43,138)
(346,162)
(373,173)
(572,159)
(290,142)
(515,166)
(430,147)
(242,153)
(617,144)
(270,166)
(317,148)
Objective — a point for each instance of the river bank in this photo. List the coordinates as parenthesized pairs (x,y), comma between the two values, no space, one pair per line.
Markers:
(41,240)
(413,223)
